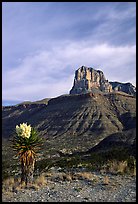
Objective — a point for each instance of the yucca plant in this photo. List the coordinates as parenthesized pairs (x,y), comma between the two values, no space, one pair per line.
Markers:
(26,142)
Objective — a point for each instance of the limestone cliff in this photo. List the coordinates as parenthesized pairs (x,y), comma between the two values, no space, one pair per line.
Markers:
(87,79)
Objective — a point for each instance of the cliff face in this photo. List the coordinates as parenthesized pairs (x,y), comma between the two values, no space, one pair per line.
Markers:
(87,79)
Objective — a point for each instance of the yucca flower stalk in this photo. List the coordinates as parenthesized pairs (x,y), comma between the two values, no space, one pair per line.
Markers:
(26,143)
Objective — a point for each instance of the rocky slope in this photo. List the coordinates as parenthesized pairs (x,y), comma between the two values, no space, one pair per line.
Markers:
(124,87)
(74,121)
(124,139)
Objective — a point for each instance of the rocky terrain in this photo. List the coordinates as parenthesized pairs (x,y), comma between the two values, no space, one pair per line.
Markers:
(86,187)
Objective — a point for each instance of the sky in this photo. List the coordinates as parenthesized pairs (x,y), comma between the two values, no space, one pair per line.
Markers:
(43,43)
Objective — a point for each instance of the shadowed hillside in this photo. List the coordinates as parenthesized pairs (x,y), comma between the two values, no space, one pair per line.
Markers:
(75,121)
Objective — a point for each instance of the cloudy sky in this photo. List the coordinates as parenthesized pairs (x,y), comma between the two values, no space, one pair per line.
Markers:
(43,43)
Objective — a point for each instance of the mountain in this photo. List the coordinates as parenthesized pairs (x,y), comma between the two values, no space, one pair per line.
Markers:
(124,87)
(10,102)
(17,103)
(88,127)
(74,121)
(88,80)
(124,139)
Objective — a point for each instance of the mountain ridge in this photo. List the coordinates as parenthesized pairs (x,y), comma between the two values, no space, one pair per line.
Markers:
(73,121)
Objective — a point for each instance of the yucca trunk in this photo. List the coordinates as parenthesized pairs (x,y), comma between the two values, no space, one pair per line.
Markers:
(27,167)
(27,173)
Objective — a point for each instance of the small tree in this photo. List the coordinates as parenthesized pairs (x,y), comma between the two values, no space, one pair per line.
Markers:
(26,143)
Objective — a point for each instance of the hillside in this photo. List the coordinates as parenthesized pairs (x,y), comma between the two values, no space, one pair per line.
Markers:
(74,121)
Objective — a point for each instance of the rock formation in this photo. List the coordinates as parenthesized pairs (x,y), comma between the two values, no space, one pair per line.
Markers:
(87,79)
(124,87)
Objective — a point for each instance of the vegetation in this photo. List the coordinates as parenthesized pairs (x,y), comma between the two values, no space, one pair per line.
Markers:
(26,143)
(116,160)
(113,161)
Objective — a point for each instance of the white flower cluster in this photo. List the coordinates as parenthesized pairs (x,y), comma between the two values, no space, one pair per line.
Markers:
(24,130)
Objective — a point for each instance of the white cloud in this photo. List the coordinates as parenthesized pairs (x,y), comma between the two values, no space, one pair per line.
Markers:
(50,73)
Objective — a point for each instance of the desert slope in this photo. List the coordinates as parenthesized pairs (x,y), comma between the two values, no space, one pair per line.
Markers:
(80,120)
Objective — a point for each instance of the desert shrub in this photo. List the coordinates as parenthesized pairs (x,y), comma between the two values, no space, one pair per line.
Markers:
(131,165)
(40,180)
(87,176)
(13,184)
(127,166)
(114,166)
(106,180)
(9,184)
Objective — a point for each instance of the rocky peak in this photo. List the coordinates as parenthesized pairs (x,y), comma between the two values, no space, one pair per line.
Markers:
(124,87)
(87,78)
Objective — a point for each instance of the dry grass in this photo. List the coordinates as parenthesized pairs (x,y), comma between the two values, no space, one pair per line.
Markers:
(8,184)
(60,176)
(14,184)
(9,181)
(8,194)
(120,167)
(73,176)
(117,167)
(106,180)
(87,175)
(68,177)
(134,170)
(11,184)
(47,174)
(41,180)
